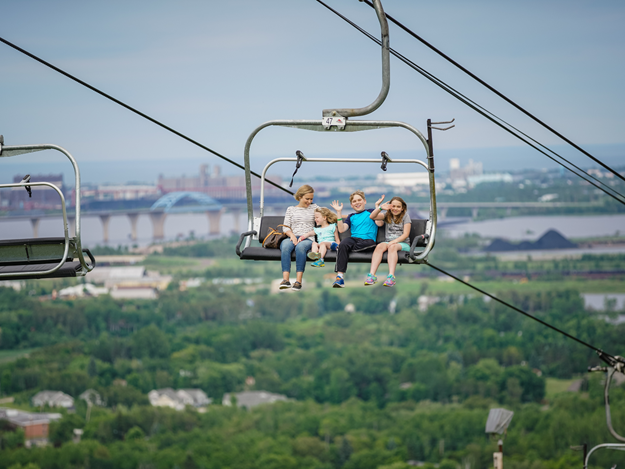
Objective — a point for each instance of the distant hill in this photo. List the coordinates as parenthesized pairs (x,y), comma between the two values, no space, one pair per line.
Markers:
(550,240)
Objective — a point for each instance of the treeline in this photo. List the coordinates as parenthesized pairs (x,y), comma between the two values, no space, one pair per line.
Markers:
(306,348)
(353,435)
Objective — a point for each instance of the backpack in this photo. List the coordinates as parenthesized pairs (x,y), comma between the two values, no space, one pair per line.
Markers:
(274,238)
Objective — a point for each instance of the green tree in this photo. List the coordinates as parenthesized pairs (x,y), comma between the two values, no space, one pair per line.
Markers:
(150,342)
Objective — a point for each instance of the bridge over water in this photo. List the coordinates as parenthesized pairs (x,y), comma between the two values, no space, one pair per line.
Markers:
(178,202)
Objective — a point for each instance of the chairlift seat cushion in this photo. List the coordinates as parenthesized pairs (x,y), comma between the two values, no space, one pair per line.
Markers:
(258,253)
(69,269)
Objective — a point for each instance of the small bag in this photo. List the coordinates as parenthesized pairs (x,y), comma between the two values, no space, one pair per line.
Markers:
(274,238)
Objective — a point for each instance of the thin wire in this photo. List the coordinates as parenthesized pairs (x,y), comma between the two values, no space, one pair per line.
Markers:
(145,116)
(501,95)
(560,331)
(582,174)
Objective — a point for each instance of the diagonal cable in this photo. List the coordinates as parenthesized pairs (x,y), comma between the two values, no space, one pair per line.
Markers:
(560,331)
(501,95)
(145,116)
(582,174)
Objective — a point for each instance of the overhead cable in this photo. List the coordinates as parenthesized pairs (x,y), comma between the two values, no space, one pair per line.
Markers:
(145,116)
(501,95)
(601,353)
(498,121)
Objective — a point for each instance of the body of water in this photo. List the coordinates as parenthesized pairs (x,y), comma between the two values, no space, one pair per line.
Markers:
(532,228)
(182,225)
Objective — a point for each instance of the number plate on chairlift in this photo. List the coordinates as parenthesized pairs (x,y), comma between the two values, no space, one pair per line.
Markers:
(335,121)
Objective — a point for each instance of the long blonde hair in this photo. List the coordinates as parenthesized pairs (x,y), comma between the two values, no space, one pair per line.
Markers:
(388,218)
(327,214)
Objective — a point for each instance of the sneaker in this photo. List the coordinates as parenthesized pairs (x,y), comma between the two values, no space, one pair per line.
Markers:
(297,286)
(319,263)
(334,246)
(371,279)
(389,282)
(313,256)
(285,284)
(339,282)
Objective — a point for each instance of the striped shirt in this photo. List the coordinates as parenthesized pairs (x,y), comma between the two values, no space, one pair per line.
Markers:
(300,219)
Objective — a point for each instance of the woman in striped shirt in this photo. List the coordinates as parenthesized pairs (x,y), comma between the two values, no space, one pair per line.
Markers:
(299,220)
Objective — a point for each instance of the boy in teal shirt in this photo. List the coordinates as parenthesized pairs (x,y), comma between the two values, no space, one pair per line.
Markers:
(363,228)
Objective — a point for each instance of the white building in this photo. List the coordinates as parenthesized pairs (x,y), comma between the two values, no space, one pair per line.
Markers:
(178,399)
(82,290)
(251,399)
(52,399)
(404,179)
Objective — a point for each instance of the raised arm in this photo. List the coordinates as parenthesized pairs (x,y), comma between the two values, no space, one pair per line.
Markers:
(338,208)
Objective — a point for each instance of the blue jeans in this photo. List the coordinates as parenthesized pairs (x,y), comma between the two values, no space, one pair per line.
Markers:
(301,250)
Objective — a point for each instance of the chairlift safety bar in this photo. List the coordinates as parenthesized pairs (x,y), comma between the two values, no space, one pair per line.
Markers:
(350,126)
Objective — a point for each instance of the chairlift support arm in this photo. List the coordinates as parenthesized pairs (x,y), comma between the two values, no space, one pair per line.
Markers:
(386,73)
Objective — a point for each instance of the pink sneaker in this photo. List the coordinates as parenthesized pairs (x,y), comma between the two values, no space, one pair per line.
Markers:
(389,282)
(371,279)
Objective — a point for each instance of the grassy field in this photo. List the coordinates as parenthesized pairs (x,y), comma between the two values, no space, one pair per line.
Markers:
(10,355)
(555,386)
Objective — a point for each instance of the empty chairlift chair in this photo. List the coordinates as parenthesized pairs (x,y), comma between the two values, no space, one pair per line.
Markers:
(39,258)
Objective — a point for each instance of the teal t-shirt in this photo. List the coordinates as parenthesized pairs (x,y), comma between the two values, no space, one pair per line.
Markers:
(362,226)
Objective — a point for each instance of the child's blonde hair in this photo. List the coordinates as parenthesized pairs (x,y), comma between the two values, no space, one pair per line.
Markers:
(302,191)
(327,214)
(388,218)
(360,193)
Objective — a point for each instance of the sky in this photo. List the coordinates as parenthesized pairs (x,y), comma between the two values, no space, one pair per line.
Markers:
(215,71)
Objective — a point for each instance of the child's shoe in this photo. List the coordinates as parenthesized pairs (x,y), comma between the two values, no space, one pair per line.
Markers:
(334,246)
(339,282)
(313,256)
(318,263)
(389,282)
(371,279)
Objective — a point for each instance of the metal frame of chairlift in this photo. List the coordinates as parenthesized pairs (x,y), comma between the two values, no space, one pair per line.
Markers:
(338,120)
(617,365)
(31,254)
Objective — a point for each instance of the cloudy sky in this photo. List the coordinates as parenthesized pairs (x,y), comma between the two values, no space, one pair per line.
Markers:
(216,70)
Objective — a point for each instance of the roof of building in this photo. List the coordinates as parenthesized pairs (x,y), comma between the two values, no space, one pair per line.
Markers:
(24,419)
(53,399)
(253,398)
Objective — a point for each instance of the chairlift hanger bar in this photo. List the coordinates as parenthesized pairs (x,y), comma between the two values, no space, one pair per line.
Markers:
(386,73)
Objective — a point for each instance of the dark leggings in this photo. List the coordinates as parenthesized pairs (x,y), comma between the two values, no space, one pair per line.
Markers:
(348,245)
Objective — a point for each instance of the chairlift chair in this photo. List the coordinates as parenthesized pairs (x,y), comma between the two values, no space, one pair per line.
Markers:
(422,232)
(40,258)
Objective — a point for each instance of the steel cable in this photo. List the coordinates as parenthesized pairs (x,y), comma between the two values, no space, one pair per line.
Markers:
(493,297)
(145,116)
(501,95)
(476,107)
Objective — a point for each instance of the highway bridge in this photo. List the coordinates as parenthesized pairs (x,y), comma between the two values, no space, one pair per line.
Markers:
(178,202)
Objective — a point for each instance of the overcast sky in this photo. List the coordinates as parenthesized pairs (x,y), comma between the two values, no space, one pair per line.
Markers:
(216,70)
